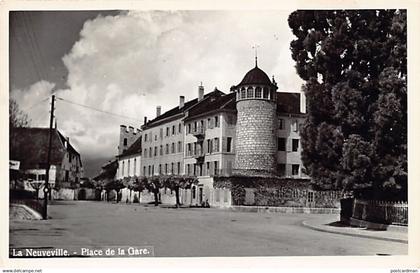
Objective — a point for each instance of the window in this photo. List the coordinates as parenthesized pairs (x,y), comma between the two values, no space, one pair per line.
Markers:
(216,144)
(295,126)
(161,150)
(179,147)
(189,128)
(281,168)
(128,167)
(209,125)
(281,144)
(243,94)
(265,93)
(144,170)
(208,168)
(150,170)
(67,175)
(145,137)
(161,133)
(145,153)
(295,169)
(179,167)
(216,121)
(216,171)
(166,168)
(41,177)
(310,196)
(173,148)
(250,92)
(167,131)
(122,171)
(160,168)
(281,124)
(153,169)
(150,152)
(125,141)
(172,168)
(295,145)
(155,137)
(258,92)
(156,150)
(167,149)
(188,169)
(229,145)
(189,149)
(180,128)
(173,129)
(209,147)
(135,166)
(150,137)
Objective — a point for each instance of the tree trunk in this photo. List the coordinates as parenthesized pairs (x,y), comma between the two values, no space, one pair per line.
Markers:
(177,197)
(155,192)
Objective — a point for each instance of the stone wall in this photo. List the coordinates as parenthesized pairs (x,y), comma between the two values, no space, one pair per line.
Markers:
(256,146)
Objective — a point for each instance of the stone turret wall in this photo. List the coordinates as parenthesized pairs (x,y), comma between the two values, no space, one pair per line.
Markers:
(130,134)
(256,145)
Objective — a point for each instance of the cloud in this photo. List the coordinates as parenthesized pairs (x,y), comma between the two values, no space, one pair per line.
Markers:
(130,63)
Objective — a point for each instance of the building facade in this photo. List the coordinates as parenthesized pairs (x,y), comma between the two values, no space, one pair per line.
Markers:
(254,129)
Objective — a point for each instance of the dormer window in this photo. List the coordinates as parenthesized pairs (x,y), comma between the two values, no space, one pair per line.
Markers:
(258,92)
(250,92)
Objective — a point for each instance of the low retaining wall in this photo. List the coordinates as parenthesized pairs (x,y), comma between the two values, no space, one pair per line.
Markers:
(395,213)
(304,210)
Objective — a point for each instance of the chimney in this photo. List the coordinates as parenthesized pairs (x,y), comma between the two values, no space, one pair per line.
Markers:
(145,120)
(200,92)
(158,110)
(181,101)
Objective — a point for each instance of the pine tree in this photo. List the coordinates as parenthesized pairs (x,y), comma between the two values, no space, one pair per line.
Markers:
(354,64)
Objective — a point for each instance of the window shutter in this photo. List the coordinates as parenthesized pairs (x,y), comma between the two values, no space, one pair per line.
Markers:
(224,144)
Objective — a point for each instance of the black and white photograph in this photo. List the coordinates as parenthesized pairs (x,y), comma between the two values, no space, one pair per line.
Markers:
(191,133)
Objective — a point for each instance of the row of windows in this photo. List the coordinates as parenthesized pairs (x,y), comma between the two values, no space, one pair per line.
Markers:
(172,168)
(169,131)
(295,125)
(281,168)
(258,93)
(128,167)
(281,145)
(208,168)
(169,149)
(200,126)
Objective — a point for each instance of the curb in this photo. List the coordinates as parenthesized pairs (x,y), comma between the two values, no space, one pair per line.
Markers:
(314,227)
(291,210)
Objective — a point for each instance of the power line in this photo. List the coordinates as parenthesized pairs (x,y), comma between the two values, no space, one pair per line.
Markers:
(96,109)
(36,104)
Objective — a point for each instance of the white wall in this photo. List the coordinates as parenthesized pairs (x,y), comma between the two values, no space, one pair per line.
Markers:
(124,170)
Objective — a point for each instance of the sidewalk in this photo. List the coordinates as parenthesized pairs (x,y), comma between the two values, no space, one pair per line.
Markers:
(331,224)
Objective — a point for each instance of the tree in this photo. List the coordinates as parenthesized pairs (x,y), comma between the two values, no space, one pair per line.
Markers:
(153,184)
(354,64)
(176,183)
(17,118)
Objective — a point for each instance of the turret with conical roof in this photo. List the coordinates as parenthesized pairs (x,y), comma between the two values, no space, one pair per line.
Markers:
(256,145)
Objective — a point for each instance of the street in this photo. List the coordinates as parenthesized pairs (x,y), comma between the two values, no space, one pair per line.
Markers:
(188,232)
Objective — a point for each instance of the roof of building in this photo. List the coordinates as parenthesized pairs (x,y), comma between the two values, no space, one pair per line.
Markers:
(288,103)
(135,148)
(175,111)
(108,171)
(216,102)
(256,76)
(30,147)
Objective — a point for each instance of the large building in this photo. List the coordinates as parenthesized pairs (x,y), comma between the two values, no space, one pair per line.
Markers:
(252,130)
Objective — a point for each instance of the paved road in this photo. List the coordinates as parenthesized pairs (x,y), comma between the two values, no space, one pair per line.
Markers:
(189,232)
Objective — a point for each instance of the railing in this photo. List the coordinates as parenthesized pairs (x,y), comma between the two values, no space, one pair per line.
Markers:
(381,211)
(199,133)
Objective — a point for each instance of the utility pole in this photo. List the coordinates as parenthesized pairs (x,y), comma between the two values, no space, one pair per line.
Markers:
(47,169)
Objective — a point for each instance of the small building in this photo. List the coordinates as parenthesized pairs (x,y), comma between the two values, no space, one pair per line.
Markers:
(30,147)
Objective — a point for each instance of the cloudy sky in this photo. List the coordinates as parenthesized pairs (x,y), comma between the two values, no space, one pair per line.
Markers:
(128,62)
